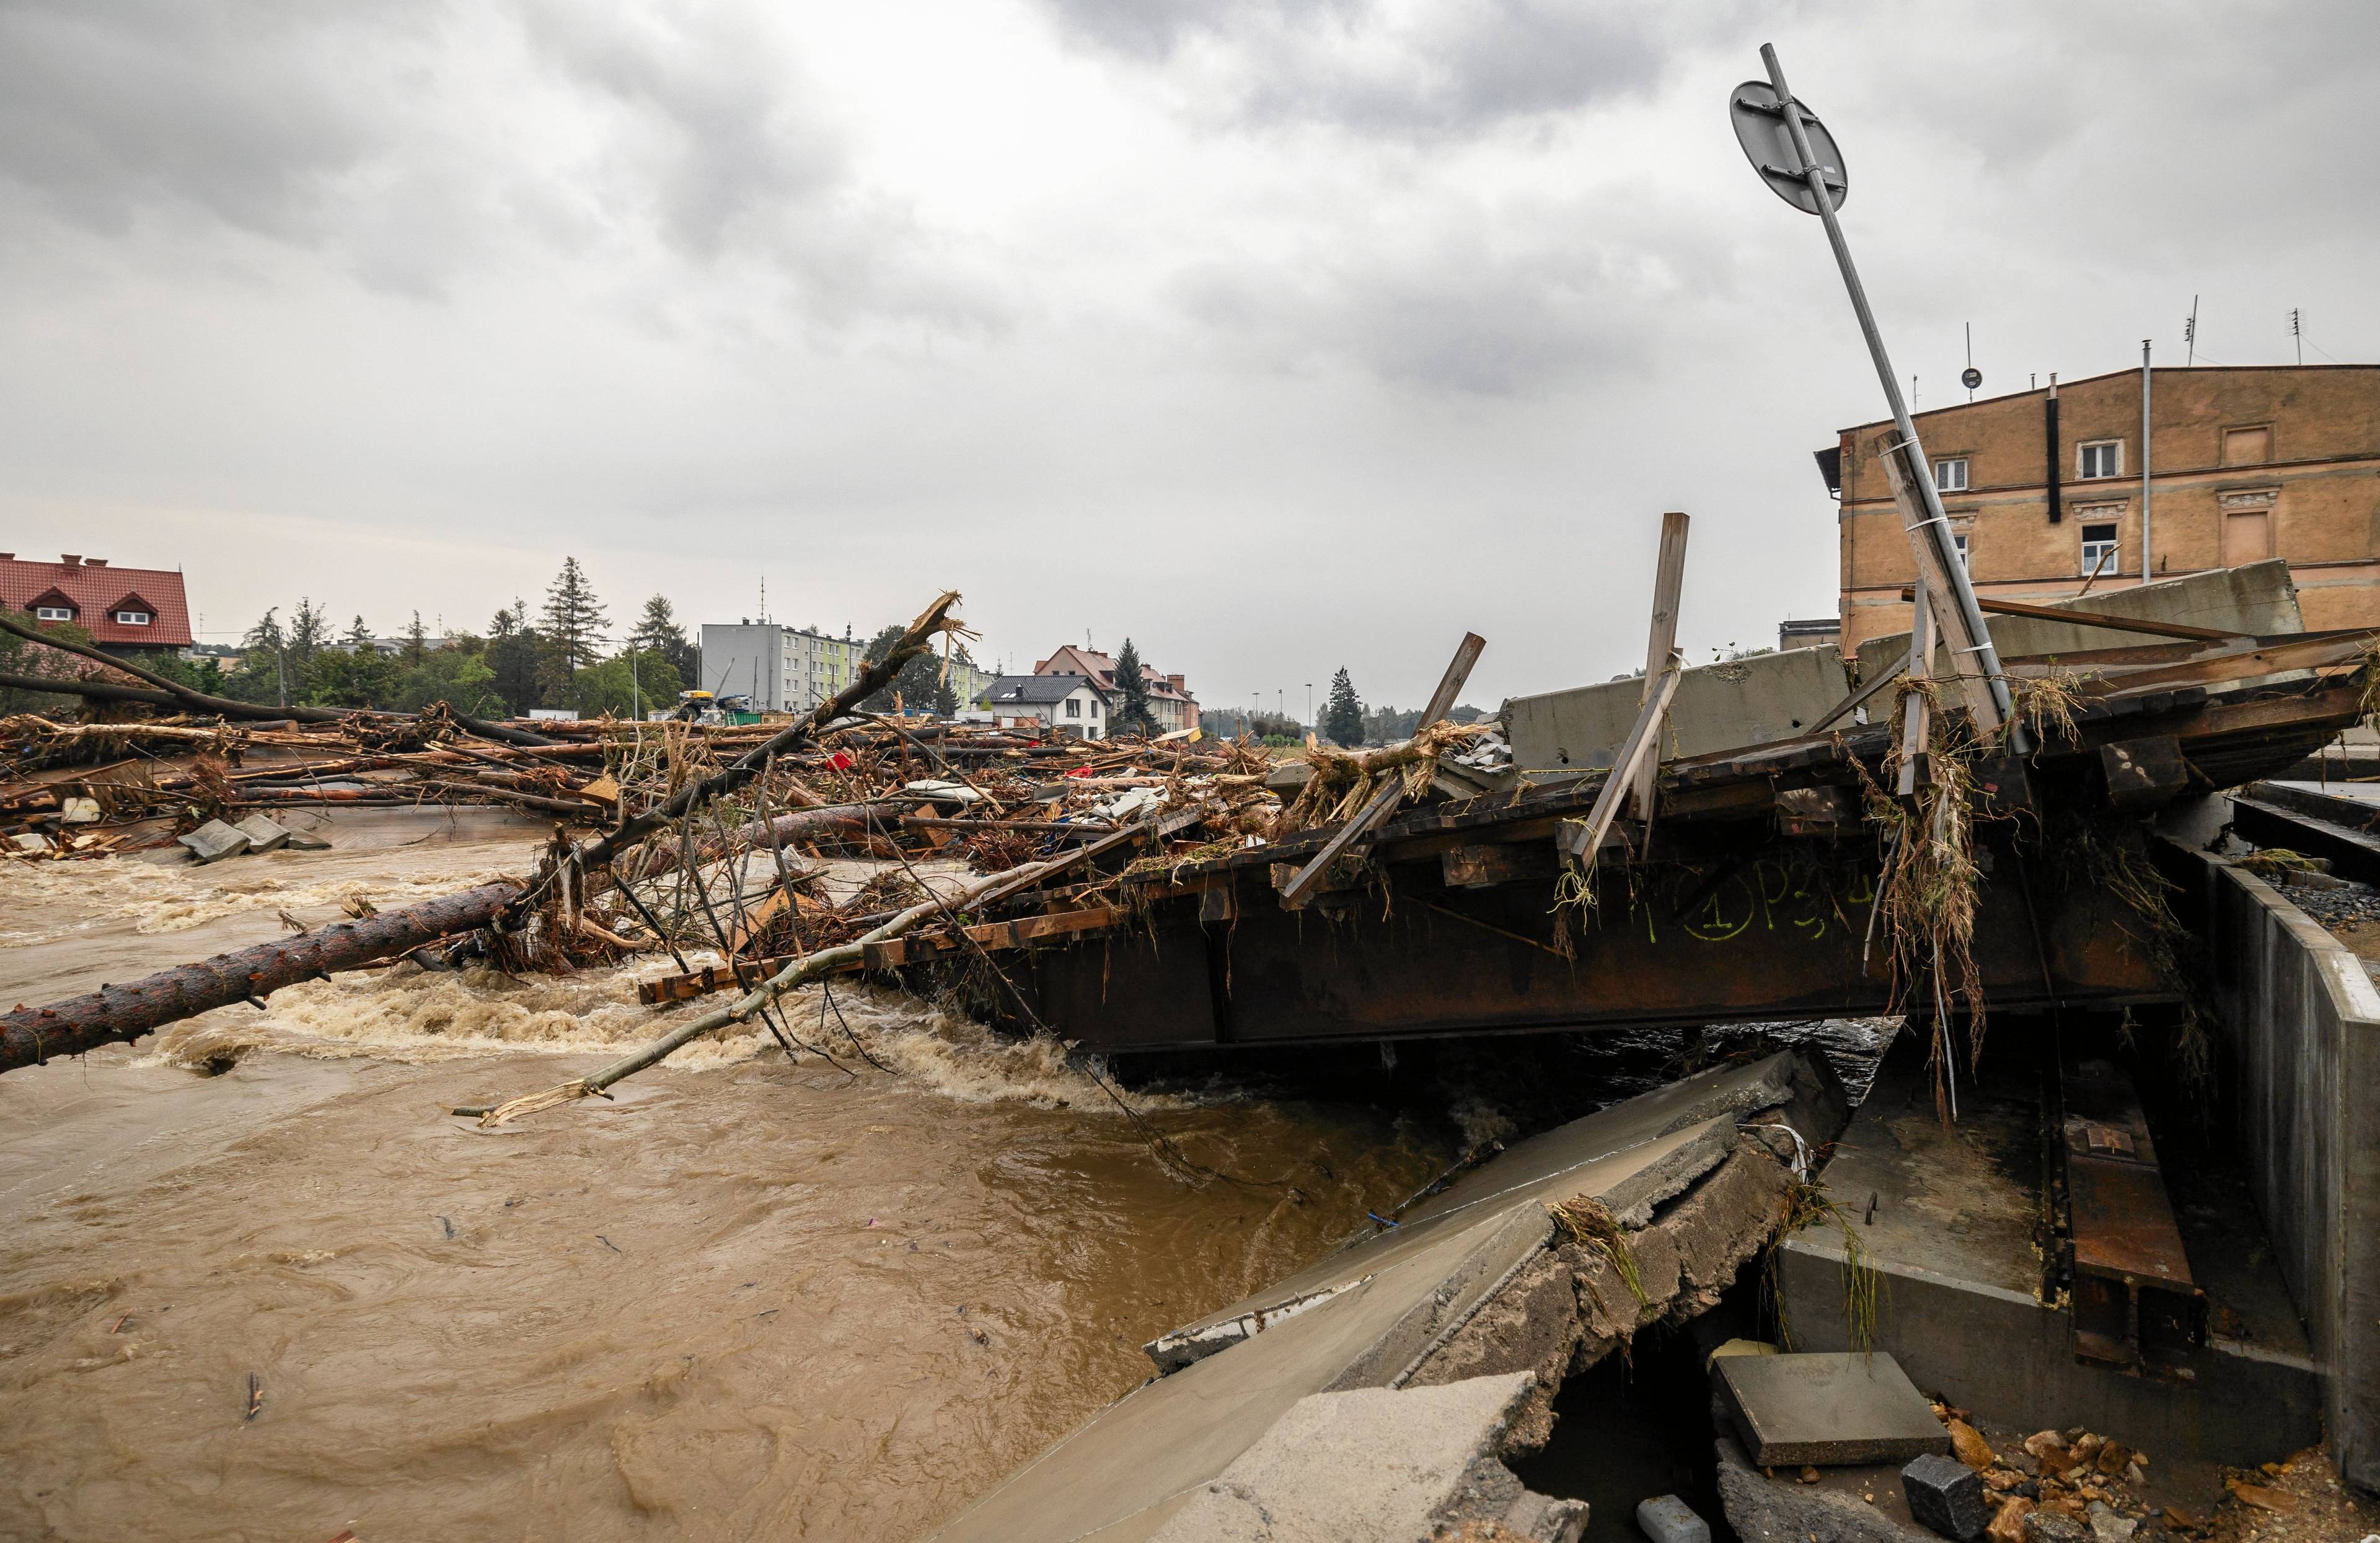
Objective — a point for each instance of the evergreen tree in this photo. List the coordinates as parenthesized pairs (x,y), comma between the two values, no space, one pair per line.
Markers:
(1342,712)
(511,656)
(1130,711)
(416,643)
(574,621)
(919,685)
(658,632)
(263,673)
(310,630)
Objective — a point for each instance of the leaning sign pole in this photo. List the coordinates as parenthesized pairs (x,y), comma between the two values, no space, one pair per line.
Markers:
(1798,159)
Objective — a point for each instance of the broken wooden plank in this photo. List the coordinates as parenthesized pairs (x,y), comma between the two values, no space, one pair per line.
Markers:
(1916,703)
(1441,701)
(2101,619)
(1582,839)
(1668,580)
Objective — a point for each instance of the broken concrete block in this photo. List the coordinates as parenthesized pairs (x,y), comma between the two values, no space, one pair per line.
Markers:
(300,842)
(213,842)
(80,811)
(29,841)
(1947,1495)
(262,834)
(1666,1519)
(1837,1407)
(1373,1463)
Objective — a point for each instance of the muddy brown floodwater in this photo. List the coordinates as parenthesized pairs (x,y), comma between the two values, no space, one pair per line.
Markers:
(748,1298)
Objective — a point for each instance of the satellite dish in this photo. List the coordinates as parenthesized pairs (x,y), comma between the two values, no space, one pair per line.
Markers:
(1970,377)
(1768,145)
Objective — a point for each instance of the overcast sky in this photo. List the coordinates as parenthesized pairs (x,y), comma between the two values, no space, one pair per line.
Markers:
(1280,335)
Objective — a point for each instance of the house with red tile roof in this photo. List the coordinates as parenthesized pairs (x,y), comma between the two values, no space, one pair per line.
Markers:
(1170,701)
(124,610)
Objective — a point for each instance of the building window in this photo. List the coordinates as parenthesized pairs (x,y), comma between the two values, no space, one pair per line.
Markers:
(51,614)
(2101,458)
(132,618)
(2100,554)
(1094,707)
(1961,542)
(1074,707)
(1950,476)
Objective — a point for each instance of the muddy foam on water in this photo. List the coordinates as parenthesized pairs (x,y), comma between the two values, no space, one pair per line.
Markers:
(750,1297)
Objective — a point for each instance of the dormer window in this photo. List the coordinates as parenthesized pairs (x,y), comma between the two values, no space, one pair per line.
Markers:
(51,614)
(132,618)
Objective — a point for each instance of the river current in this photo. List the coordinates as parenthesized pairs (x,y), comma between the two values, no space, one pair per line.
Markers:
(255,1282)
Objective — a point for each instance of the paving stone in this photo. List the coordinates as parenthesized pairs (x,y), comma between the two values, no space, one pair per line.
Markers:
(1828,1408)
(213,842)
(1947,1495)
(1668,1519)
(29,841)
(262,834)
(80,811)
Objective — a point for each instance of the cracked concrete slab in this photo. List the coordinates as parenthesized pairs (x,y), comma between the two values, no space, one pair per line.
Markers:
(1398,1467)
(1383,1310)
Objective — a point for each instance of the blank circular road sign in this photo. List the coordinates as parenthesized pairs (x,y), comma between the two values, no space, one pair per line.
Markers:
(1760,129)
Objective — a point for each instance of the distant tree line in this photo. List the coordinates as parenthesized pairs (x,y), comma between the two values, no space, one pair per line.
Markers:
(558,656)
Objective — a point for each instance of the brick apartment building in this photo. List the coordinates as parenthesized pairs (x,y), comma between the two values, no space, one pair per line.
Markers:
(2042,487)
(124,610)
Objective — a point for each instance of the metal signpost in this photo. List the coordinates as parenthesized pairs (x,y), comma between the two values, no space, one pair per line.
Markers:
(1799,160)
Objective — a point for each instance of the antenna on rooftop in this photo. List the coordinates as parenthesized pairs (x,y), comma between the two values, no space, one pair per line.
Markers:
(1970,377)
(2190,334)
(2297,331)
(764,597)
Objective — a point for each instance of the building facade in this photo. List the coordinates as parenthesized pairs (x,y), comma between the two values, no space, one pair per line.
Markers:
(793,669)
(1169,698)
(1057,704)
(783,669)
(124,610)
(2043,491)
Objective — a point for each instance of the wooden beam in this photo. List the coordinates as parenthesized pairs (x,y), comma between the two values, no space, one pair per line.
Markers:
(1915,720)
(1884,677)
(1965,661)
(1669,579)
(1384,803)
(2100,619)
(1584,841)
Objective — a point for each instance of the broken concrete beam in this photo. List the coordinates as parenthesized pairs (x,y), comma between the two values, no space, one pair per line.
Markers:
(262,834)
(1666,1519)
(1374,1464)
(1946,1495)
(1443,1297)
(1838,1407)
(213,842)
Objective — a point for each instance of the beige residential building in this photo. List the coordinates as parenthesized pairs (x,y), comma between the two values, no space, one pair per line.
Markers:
(2043,488)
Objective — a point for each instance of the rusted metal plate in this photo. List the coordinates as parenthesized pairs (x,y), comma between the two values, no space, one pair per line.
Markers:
(1779,933)
(2134,1302)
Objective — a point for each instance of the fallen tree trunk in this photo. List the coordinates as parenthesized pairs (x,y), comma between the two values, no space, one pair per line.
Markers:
(99,691)
(31,1035)
(826,961)
(118,1013)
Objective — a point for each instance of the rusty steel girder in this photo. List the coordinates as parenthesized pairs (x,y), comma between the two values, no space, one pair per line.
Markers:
(1777,933)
